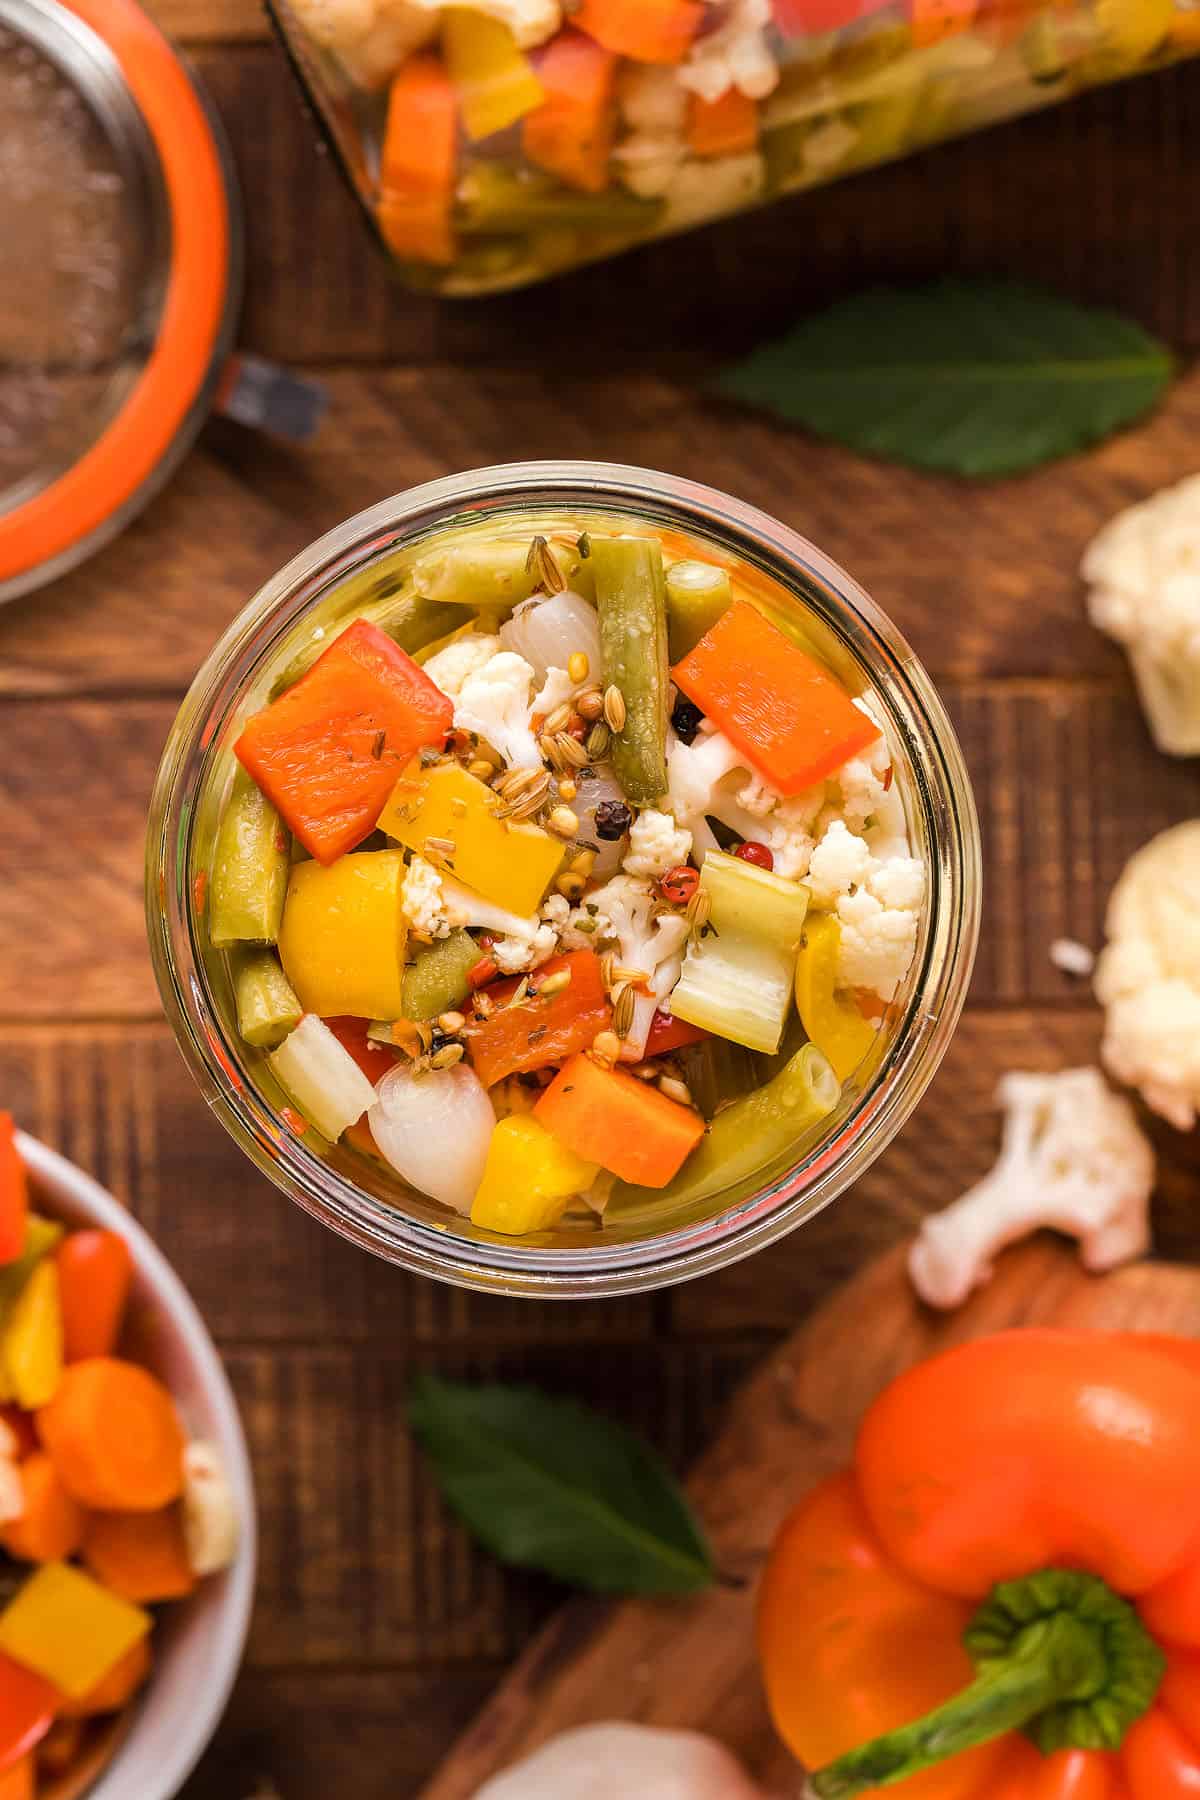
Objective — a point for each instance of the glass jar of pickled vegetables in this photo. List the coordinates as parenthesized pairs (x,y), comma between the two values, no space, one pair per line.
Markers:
(562,879)
(494,142)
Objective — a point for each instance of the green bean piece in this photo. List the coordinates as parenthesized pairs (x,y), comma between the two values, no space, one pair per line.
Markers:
(409,619)
(752,1134)
(436,981)
(495,200)
(495,573)
(250,869)
(267,1007)
(631,602)
(697,594)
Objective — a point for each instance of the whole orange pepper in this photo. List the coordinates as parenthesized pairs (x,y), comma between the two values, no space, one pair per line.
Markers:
(1001,1599)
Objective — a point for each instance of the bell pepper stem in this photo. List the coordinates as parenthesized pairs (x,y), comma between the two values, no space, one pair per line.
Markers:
(1058,1655)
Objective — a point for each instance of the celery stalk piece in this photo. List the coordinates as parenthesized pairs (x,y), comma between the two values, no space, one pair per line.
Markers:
(697,594)
(631,602)
(267,1007)
(322,1077)
(250,869)
(738,974)
(752,1133)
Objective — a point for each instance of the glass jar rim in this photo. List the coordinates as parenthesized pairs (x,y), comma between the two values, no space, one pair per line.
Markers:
(935,997)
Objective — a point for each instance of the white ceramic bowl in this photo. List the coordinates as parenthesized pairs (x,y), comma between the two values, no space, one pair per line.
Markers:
(200,1642)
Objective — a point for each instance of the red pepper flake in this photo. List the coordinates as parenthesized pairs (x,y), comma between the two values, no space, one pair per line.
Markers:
(757,854)
(679,884)
(485,970)
(199,890)
(889,777)
(294,1121)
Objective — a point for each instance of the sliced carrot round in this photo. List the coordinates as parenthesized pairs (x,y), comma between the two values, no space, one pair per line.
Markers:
(113,1434)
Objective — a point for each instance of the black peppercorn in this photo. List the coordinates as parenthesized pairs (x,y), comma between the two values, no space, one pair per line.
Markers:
(686,719)
(613,819)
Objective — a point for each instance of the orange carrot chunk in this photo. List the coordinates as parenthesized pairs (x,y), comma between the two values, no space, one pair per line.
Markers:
(724,127)
(418,163)
(14,1193)
(537,1032)
(625,1125)
(114,1690)
(786,714)
(141,1556)
(571,134)
(20,1423)
(51,1525)
(19,1780)
(114,1437)
(653,31)
(95,1269)
(327,753)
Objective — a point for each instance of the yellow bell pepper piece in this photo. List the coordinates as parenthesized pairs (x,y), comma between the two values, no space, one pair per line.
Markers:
(69,1629)
(496,83)
(343,935)
(510,864)
(832,1021)
(528,1178)
(31,1345)
(41,1236)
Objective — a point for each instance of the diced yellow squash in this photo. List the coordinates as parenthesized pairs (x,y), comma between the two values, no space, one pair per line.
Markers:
(31,1345)
(69,1629)
(830,1017)
(495,80)
(528,1178)
(343,935)
(510,864)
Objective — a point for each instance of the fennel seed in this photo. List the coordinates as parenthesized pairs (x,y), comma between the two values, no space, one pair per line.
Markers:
(614,709)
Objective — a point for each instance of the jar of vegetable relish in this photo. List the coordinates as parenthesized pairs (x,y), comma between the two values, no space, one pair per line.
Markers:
(562,879)
(496,142)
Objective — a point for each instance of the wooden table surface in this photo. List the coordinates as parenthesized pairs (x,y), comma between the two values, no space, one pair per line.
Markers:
(378,1630)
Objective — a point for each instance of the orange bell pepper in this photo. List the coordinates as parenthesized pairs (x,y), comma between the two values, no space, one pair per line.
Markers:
(1001,1599)
(536,1033)
(419,163)
(787,715)
(653,31)
(27,1706)
(14,1193)
(328,751)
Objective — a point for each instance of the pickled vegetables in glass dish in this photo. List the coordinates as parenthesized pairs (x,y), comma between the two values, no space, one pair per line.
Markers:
(566,876)
(498,142)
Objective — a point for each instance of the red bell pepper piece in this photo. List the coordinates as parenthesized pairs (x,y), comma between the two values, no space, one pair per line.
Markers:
(373,1060)
(669,1033)
(27,1707)
(14,1193)
(95,1269)
(515,1039)
(787,715)
(328,752)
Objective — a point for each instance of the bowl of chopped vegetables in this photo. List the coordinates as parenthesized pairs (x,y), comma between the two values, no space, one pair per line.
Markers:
(562,879)
(126,1502)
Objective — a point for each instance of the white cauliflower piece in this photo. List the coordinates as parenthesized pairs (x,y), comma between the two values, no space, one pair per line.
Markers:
(787,824)
(566,921)
(494,702)
(514,955)
(1144,572)
(653,1764)
(532,22)
(877,943)
(210,1521)
(841,862)
(656,844)
(647,940)
(1148,975)
(370,38)
(449,668)
(654,108)
(422,900)
(736,55)
(554,692)
(695,773)
(1072,1158)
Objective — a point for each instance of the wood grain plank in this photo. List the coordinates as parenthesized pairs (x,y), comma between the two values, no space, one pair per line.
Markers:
(1118,163)
(371,1734)
(193,22)
(693,1663)
(983,579)
(71,930)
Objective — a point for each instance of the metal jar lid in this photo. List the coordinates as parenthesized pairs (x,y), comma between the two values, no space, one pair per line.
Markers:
(120,275)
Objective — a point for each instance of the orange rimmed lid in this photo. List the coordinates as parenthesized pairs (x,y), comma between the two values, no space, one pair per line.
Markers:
(135,414)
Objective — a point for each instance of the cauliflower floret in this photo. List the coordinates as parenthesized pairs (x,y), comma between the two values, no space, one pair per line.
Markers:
(736,55)
(877,943)
(655,108)
(449,668)
(554,691)
(422,900)
(1144,571)
(1148,976)
(531,22)
(567,920)
(653,942)
(516,953)
(656,844)
(1072,1158)
(840,862)
(494,702)
(371,38)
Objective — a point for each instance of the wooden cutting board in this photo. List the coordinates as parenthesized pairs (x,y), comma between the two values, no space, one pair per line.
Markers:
(691,1663)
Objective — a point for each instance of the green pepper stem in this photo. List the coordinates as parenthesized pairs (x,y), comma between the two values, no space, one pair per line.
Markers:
(1058,1655)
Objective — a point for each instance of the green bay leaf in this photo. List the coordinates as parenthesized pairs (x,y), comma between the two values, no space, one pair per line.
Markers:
(548,1484)
(976,378)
